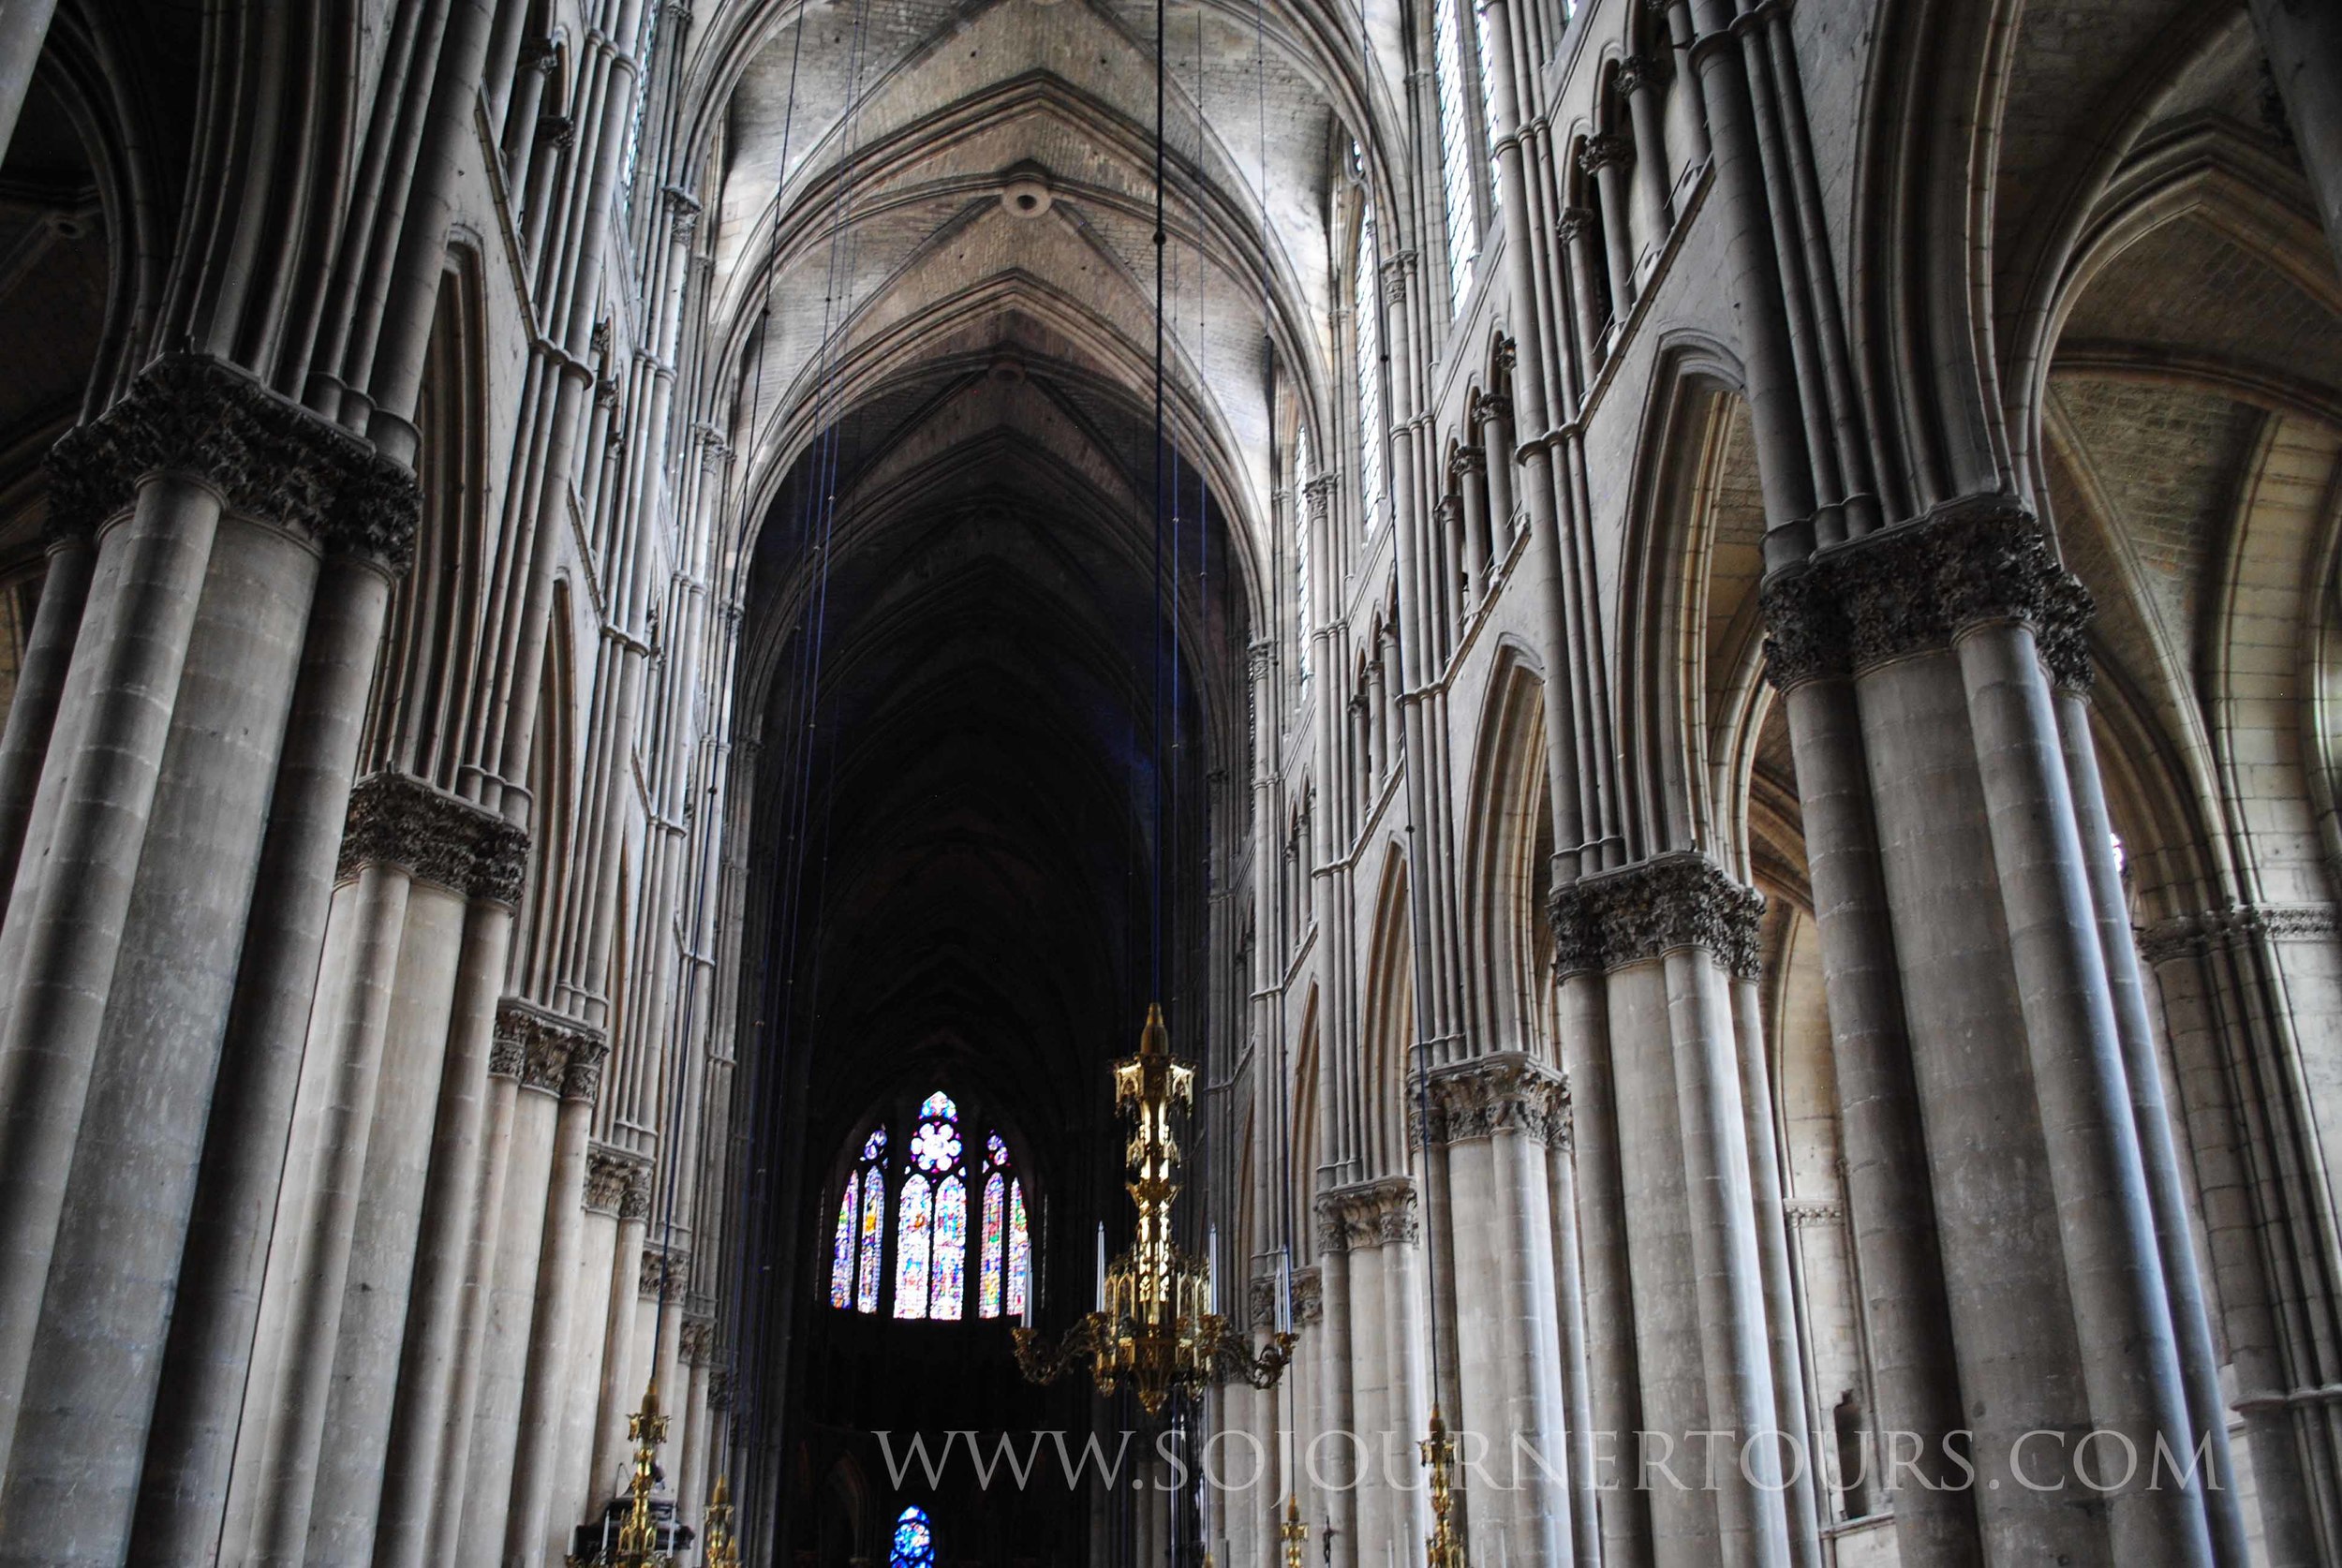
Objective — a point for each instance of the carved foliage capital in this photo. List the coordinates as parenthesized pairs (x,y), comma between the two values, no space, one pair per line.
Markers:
(1369,1214)
(666,1274)
(1642,911)
(1609,151)
(268,457)
(1917,586)
(611,1175)
(396,818)
(1506,1092)
(2234,924)
(545,1051)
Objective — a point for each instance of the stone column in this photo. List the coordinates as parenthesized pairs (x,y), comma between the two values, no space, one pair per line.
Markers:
(328,1339)
(2199,1366)
(1613,1377)
(2203,962)
(1669,933)
(1606,157)
(24,28)
(97,1354)
(1643,82)
(1905,1312)
(2030,1119)
(40,683)
(1575,233)
(528,1534)
(65,920)
(216,1302)
(1468,468)
(1494,1116)
(1338,1460)
(1561,1167)
(513,1270)
(428,1369)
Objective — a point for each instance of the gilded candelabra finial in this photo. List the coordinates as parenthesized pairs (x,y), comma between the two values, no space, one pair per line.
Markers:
(638,1538)
(1155,1327)
(1294,1533)
(723,1549)
(1444,1548)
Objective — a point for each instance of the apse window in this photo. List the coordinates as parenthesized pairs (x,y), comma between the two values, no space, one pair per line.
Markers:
(915,1540)
(941,1176)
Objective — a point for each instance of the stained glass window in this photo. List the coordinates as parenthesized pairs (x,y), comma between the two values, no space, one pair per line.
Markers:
(914,1541)
(931,1221)
(1019,1252)
(995,1217)
(841,1250)
(951,1247)
(913,1233)
(873,1237)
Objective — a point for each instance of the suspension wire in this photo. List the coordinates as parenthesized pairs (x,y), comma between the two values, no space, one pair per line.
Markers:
(784,901)
(1155,913)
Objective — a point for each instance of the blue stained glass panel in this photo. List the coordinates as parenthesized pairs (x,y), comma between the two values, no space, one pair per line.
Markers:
(950,1248)
(914,1541)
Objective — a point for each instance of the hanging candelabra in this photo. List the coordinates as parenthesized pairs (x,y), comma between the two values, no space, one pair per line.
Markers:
(1443,1547)
(1156,1327)
(1295,1535)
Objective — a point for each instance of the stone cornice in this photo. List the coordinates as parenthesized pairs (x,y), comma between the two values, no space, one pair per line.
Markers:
(2192,935)
(1918,585)
(396,818)
(1369,1214)
(1506,1091)
(1641,911)
(267,456)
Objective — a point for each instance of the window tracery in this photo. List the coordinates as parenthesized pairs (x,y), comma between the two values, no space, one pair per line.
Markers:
(937,1185)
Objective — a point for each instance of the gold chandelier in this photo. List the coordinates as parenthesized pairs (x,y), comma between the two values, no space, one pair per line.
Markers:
(1154,1328)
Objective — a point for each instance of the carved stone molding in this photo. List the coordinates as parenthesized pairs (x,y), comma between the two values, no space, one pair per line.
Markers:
(666,1274)
(1308,1296)
(1575,222)
(1317,494)
(2192,935)
(1917,586)
(610,1173)
(1369,1214)
(696,1340)
(545,1051)
(1468,460)
(720,1388)
(1638,71)
(1639,912)
(1493,407)
(1503,1093)
(1260,1301)
(397,820)
(1611,150)
(1804,1212)
(268,457)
